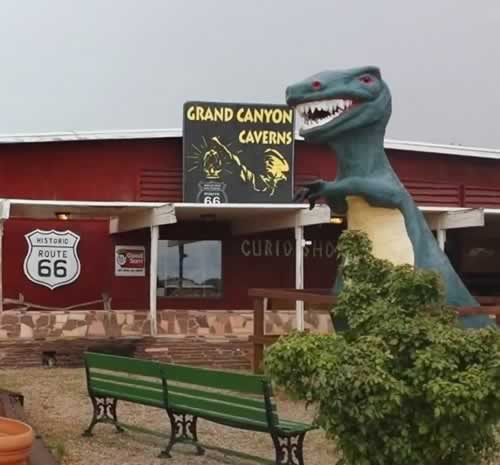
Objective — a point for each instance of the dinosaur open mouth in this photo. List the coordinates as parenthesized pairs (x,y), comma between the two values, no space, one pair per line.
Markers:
(321,112)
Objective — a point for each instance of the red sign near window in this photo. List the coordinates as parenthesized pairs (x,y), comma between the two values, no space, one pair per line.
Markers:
(130,260)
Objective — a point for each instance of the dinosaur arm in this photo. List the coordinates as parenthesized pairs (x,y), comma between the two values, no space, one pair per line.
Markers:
(313,191)
(377,192)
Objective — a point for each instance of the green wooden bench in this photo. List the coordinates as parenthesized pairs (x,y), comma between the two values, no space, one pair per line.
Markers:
(186,393)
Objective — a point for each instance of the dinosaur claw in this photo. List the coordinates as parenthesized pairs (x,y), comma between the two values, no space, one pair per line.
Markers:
(300,196)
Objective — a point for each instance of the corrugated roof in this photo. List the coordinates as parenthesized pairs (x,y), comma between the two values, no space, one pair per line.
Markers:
(424,147)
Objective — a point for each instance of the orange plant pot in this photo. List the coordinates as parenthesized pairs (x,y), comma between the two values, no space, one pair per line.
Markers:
(16,439)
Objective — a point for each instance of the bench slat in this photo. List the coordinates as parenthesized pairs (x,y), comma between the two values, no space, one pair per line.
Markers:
(173,388)
(129,398)
(238,422)
(289,426)
(252,384)
(215,407)
(244,401)
(123,364)
(124,392)
(135,399)
(125,379)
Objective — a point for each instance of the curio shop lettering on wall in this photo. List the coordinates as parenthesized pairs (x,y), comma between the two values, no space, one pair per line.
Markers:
(285,248)
(237,153)
(52,259)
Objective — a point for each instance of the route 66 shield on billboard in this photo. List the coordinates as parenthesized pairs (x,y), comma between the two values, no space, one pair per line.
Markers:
(52,258)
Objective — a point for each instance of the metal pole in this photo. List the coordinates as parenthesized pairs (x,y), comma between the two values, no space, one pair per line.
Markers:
(181,265)
(153,278)
(299,274)
(441,238)
(1,270)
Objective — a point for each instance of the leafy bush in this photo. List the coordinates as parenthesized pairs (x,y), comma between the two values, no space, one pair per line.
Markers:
(405,384)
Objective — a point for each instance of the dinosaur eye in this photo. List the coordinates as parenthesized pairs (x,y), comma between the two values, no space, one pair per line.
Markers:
(366,79)
(316,85)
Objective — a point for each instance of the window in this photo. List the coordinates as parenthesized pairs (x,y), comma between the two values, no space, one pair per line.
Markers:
(189,268)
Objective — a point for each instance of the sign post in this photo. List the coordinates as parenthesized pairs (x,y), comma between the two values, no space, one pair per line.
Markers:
(1,265)
(153,278)
(4,214)
(299,274)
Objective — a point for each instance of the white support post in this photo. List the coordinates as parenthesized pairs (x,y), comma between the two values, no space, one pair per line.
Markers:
(1,269)
(441,238)
(299,274)
(4,215)
(153,278)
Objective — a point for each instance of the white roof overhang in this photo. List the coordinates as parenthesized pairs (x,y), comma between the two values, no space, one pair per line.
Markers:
(126,216)
(123,216)
(252,218)
(244,218)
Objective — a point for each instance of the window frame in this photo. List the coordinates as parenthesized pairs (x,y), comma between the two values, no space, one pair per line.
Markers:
(195,297)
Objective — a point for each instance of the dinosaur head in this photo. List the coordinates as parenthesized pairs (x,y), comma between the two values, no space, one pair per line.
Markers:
(332,103)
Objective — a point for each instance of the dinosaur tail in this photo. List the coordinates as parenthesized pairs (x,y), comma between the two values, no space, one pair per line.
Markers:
(428,255)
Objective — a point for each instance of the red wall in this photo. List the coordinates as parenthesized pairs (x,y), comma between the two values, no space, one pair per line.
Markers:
(96,254)
(111,170)
(98,170)
(445,168)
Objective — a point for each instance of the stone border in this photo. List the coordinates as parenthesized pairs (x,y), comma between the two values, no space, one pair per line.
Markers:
(35,325)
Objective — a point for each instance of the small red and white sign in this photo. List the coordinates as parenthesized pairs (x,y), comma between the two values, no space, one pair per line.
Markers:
(130,260)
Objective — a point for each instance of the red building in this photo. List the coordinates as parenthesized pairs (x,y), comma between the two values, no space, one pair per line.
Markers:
(186,267)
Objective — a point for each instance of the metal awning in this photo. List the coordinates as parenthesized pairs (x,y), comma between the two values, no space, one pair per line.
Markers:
(243,218)
(253,218)
(127,216)
(123,216)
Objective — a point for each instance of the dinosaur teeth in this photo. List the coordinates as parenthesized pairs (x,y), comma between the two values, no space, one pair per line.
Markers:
(321,112)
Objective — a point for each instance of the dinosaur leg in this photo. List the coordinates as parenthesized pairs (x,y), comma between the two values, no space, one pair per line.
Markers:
(339,323)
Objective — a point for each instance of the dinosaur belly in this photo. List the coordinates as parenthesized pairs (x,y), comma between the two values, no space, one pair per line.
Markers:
(385,227)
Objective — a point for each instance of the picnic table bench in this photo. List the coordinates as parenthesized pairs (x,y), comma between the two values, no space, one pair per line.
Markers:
(186,393)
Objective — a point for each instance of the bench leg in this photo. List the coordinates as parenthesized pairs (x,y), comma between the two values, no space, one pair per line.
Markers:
(182,427)
(104,411)
(289,449)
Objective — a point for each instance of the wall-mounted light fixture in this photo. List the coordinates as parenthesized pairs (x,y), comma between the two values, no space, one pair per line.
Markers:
(63,216)
(336,220)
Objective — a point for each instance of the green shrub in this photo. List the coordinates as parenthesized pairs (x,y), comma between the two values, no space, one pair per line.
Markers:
(404,385)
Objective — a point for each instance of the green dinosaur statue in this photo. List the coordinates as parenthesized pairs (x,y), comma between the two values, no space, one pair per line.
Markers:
(349,111)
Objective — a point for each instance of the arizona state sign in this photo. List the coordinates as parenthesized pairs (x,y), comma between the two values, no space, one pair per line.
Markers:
(52,260)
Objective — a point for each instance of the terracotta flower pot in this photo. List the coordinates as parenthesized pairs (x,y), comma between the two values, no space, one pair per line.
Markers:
(16,439)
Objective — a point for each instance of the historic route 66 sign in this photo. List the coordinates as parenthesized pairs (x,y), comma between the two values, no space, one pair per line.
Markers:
(52,259)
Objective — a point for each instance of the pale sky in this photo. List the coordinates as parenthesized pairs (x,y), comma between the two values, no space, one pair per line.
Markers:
(98,65)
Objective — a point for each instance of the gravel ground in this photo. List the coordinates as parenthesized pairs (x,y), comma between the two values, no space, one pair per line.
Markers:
(57,405)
